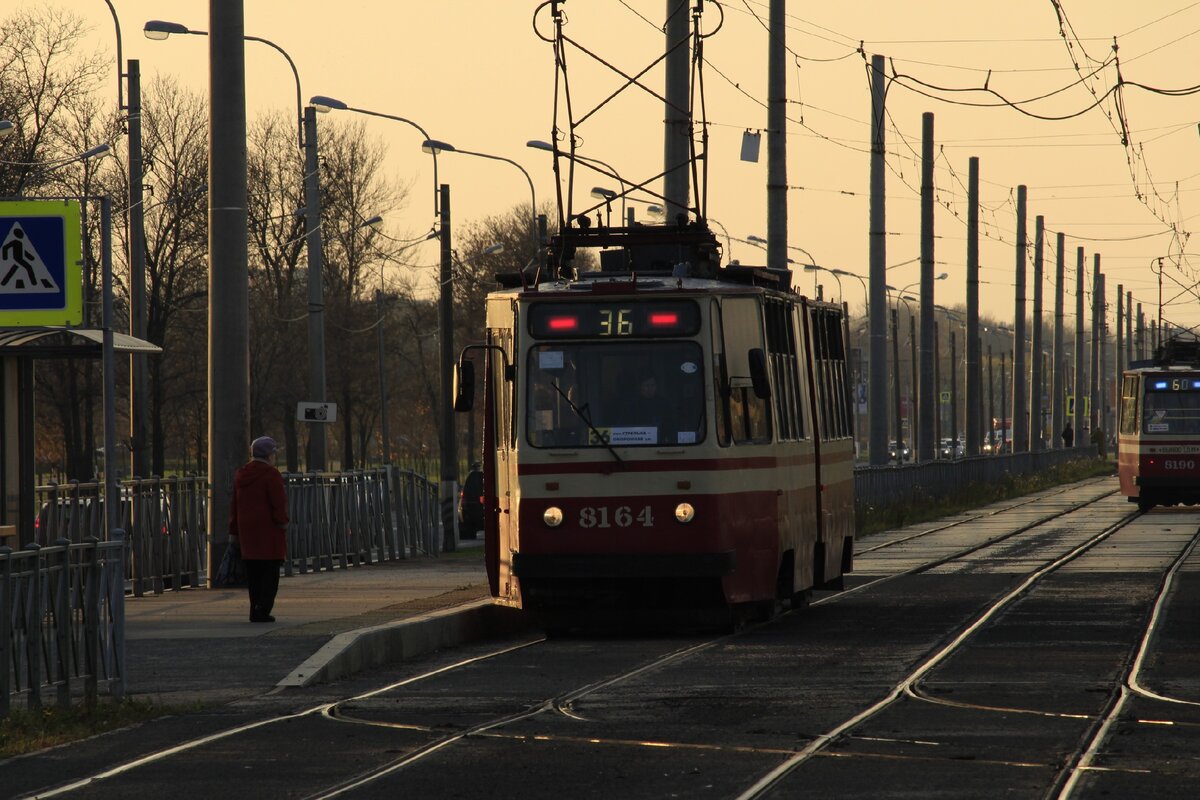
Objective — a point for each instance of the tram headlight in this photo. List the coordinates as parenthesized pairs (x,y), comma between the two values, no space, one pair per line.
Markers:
(553,517)
(684,512)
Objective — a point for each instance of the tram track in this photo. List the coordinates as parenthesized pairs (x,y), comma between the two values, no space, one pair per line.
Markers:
(561,703)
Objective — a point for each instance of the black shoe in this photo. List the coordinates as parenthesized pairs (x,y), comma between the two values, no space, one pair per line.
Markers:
(263,618)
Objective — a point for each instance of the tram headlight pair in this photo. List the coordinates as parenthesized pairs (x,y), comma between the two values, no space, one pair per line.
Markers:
(684,513)
(553,517)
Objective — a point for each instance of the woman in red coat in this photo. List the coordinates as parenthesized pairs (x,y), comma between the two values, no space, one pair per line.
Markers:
(258,518)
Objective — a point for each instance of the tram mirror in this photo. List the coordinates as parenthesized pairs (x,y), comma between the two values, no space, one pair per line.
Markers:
(758,373)
(464,386)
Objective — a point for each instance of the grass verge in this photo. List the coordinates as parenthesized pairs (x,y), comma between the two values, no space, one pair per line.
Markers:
(922,507)
(30,731)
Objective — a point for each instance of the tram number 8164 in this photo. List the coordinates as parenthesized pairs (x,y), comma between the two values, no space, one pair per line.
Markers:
(621,517)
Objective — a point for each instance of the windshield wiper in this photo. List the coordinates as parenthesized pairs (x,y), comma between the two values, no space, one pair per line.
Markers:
(579,412)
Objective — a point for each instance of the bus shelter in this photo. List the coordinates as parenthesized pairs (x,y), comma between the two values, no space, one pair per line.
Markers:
(20,349)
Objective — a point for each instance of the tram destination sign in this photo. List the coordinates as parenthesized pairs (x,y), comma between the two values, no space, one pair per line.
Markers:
(41,257)
(1189,383)
(613,319)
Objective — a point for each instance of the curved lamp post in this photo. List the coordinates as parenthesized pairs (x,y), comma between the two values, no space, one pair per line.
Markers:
(433,147)
(588,161)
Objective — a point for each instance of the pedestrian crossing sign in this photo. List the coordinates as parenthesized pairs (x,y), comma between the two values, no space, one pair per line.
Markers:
(41,263)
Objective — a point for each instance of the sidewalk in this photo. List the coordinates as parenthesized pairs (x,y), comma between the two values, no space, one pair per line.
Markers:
(197,645)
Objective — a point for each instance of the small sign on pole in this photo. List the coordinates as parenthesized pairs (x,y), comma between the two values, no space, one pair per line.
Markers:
(41,257)
(316,412)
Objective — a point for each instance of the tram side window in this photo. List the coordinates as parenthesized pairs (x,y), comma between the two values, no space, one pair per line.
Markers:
(721,398)
(829,357)
(506,434)
(1129,410)
(750,416)
(781,353)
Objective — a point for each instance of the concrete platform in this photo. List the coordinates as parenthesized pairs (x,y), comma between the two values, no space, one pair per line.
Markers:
(198,645)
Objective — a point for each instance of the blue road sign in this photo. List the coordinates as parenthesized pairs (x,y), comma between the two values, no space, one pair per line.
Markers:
(41,256)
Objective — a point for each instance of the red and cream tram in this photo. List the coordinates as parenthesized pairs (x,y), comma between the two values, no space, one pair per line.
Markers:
(1159,428)
(673,437)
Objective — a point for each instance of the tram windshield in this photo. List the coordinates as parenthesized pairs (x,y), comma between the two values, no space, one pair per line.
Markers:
(1172,412)
(628,393)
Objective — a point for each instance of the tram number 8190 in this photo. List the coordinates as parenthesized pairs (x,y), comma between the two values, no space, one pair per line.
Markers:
(622,517)
(1179,463)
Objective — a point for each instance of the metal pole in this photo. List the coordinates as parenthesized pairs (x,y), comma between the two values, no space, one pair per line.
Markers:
(1119,349)
(1020,422)
(1005,430)
(1101,404)
(676,134)
(1037,426)
(1057,394)
(777,206)
(317,442)
(974,376)
(448,486)
(139,445)
(1128,326)
(914,420)
(1080,324)
(953,394)
(112,486)
(877,300)
(937,391)
(228,286)
(383,394)
(1094,372)
(1141,333)
(991,402)
(926,450)
(896,383)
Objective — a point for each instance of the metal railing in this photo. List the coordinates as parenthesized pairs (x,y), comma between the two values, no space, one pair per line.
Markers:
(62,621)
(339,519)
(877,487)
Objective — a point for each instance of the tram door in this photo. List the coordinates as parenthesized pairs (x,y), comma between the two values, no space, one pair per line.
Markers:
(501,533)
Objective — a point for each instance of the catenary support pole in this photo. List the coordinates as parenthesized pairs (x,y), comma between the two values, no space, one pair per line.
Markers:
(139,435)
(1095,417)
(1080,326)
(676,134)
(228,285)
(318,453)
(777,205)
(877,383)
(1057,393)
(895,373)
(448,486)
(1020,418)
(974,376)
(1037,425)
(926,399)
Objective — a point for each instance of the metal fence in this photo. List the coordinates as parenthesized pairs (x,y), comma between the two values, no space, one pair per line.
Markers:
(339,519)
(62,622)
(879,486)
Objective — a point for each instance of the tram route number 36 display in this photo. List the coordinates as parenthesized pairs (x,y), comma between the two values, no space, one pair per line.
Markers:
(621,517)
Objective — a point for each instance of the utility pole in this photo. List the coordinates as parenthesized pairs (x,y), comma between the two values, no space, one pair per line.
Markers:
(228,283)
(914,419)
(1094,375)
(937,392)
(926,448)
(877,383)
(991,402)
(1128,326)
(448,485)
(896,383)
(1080,324)
(1005,430)
(1141,333)
(1056,392)
(974,376)
(1020,430)
(1119,348)
(318,454)
(953,394)
(677,137)
(1037,426)
(777,205)
(139,438)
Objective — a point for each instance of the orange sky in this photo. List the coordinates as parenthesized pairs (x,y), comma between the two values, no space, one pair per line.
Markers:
(473,73)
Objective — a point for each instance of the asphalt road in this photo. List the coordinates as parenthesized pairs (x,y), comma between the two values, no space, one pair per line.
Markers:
(1050,651)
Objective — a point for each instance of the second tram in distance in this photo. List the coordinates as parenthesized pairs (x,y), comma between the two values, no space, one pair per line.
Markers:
(664,440)
(1159,427)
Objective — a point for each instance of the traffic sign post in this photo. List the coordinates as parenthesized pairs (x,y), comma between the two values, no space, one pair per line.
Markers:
(41,263)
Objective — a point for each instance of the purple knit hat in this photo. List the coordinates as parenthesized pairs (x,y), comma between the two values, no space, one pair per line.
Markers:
(262,447)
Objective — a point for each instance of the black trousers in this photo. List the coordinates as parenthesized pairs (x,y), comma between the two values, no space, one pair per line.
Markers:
(262,579)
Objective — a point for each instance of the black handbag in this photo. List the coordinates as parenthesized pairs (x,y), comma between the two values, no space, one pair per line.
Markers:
(232,571)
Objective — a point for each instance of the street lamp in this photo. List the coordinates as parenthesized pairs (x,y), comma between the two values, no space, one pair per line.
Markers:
(159,30)
(448,447)
(433,147)
(589,161)
(818,268)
